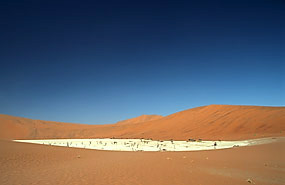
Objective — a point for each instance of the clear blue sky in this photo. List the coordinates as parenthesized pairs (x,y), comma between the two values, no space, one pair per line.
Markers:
(103,61)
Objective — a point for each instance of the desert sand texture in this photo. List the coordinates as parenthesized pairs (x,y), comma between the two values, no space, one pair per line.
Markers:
(24,163)
(213,122)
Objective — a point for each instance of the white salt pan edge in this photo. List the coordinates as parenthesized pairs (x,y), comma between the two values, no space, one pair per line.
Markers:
(146,145)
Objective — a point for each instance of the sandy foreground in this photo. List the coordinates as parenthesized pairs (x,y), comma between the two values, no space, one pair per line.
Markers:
(25,163)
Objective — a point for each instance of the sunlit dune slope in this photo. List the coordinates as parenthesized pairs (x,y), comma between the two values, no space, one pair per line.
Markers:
(227,122)
(216,122)
(16,127)
(140,119)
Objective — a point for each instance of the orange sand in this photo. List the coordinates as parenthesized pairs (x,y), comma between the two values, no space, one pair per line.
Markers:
(225,122)
(140,119)
(22,163)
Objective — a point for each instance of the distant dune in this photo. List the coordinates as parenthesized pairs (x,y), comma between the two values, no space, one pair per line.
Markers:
(140,119)
(227,122)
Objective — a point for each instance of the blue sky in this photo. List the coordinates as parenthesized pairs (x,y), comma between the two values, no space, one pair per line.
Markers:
(100,62)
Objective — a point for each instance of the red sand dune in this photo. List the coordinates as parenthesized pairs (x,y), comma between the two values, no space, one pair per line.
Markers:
(227,122)
(139,119)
